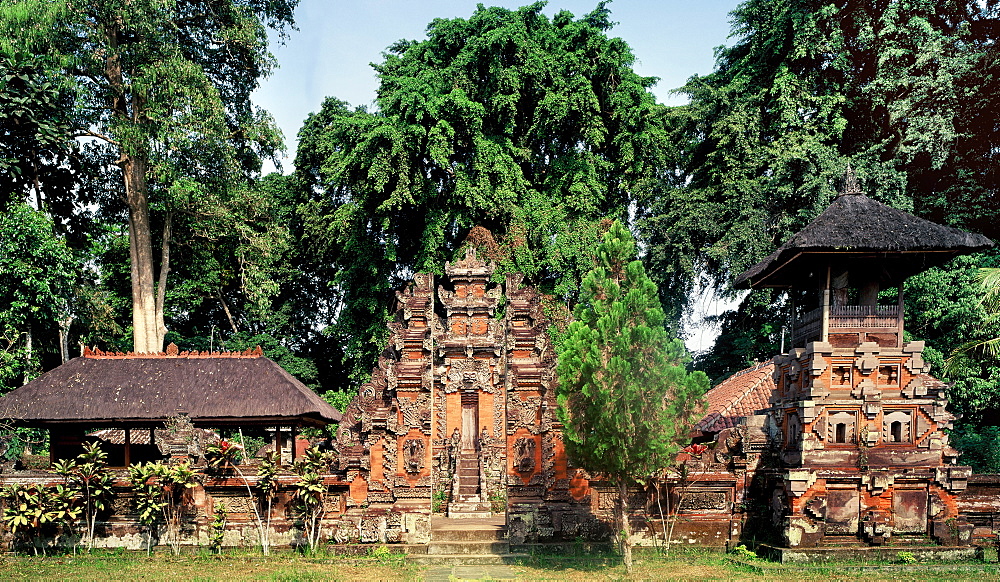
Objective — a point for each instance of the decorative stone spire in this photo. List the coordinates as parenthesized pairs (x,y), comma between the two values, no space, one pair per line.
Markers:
(851,186)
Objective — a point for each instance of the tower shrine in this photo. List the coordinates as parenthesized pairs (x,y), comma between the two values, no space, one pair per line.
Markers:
(859,422)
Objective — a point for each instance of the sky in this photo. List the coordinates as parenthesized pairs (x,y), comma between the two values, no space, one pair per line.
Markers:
(330,55)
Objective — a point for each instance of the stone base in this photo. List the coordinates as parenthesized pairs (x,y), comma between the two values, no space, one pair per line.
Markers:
(887,553)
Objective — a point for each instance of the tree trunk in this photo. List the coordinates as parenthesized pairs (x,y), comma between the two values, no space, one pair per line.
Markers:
(145,332)
(130,109)
(624,529)
(161,286)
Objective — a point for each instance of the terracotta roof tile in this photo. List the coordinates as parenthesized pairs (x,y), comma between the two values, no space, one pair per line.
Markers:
(738,397)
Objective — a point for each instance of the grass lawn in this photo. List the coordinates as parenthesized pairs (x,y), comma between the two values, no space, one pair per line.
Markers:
(686,565)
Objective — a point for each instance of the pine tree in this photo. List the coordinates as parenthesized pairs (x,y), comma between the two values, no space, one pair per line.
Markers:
(624,395)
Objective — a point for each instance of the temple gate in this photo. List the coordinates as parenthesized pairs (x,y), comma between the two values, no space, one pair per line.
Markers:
(459,415)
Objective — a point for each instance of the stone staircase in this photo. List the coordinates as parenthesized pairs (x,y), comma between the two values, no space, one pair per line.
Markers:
(469,503)
(469,541)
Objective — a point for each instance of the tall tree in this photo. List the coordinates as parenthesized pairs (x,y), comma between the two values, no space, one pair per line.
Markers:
(38,275)
(624,394)
(904,91)
(165,88)
(534,128)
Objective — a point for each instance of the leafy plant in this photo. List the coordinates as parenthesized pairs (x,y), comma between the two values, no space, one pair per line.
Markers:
(906,558)
(90,477)
(625,397)
(222,455)
(218,529)
(311,491)
(164,488)
(743,552)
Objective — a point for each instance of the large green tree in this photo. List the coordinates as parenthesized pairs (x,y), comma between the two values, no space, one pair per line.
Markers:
(534,128)
(625,397)
(162,89)
(905,92)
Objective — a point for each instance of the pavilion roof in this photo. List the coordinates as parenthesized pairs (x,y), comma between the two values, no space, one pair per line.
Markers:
(855,227)
(117,389)
(737,397)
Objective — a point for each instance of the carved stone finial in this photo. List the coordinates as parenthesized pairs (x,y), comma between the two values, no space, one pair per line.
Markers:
(851,185)
(172,349)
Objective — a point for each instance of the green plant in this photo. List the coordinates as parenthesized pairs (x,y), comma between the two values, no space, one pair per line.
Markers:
(218,529)
(906,558)
(498,501)
(440,500)
(149,500)
(381,553)
(222,455)
(89,477)
(310,492)
(165,489)
(743,552)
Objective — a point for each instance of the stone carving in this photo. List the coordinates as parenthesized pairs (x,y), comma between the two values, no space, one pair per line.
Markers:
(524,455)
(413,455)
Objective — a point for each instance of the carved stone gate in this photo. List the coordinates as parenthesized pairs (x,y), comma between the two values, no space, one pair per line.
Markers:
(460,412)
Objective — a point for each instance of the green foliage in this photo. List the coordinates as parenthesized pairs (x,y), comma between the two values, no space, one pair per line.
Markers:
(32,511)
(625,397)
(89,475)
(222,455)
(624,394)
(310,491)
(979,446)
(218,529)
(38,273)
(508,130)
(906,558)
(338,399)
(743,552)
(162,492)
(897,90)
(149,106)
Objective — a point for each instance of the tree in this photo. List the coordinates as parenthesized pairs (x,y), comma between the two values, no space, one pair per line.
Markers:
(896,89)
(624,394)
(534,129)
(38,274)
(164,87)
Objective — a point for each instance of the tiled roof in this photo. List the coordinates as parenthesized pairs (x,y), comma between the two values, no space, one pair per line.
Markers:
(737,397)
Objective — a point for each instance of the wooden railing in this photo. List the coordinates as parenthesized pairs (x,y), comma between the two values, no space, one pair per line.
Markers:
(862,317)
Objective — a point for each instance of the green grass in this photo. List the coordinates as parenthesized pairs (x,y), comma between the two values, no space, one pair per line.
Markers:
(686,564)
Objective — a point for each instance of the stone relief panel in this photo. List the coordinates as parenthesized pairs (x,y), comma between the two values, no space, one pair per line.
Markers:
(413,455)
(524,455)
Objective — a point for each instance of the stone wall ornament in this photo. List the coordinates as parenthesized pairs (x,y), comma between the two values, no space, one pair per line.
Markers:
(524,455)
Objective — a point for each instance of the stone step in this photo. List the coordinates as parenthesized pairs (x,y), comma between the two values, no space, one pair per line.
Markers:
(469,511)
(465,559)
(482,529)
(479,548)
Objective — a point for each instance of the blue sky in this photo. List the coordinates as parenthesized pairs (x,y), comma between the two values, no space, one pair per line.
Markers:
(330,54)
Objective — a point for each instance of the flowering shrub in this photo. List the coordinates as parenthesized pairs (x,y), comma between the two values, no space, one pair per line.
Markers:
(222,455)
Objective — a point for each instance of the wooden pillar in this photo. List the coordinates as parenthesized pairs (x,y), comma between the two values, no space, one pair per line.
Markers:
(899,318)
(295,434)
(277,444)
(825,325)
(128,447)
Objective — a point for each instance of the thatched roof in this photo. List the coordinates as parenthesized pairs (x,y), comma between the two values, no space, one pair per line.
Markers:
(855,228)
(115,389)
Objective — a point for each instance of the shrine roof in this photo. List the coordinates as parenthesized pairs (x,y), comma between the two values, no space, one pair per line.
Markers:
(118,389)
(854,225)
(738,397)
